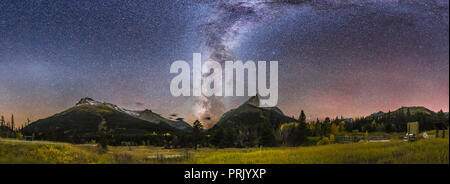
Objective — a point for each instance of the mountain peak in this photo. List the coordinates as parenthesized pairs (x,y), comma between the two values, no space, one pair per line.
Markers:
(254,100)
(147,111)
(376,114)
(414,109)
(87,100)
(250,114)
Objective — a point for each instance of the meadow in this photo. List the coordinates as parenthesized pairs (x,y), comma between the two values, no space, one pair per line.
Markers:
(427,151)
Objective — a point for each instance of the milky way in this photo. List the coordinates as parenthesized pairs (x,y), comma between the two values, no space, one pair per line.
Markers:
(347,58)
(232,19)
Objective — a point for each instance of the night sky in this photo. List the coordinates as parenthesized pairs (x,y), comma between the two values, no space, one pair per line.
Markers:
(349,58)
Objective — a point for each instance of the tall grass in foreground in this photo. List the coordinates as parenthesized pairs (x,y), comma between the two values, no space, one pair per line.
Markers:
(423,151)
(46,153)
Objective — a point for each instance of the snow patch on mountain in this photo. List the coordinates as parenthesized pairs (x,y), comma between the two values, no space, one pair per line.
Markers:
(90,101)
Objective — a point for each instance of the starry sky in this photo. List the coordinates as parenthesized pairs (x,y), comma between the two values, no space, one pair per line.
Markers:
(336,58)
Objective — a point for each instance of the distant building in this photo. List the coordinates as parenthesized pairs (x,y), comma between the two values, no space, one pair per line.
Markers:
(412,131)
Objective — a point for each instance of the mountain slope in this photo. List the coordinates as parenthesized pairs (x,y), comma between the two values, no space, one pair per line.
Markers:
(413,110)
(150,116)
(88,117)
(250,114)
(146,114)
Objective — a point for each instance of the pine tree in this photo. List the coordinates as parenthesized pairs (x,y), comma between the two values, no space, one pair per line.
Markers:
(266,135)
(2,124)
(218,137)
(12,122)
(408,115)
(326,125)
(2,121)
(302,129)
(196,130)
(318,128)
(302,117)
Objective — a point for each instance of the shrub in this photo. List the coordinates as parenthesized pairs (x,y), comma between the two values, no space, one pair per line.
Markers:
(332,139)
(324,141)
(311,141)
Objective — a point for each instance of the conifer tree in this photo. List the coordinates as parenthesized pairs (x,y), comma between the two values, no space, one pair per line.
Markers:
(2,121)
(196,130)
(302,117)
(12,122)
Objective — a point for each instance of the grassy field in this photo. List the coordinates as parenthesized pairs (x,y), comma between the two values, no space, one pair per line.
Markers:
(423,151)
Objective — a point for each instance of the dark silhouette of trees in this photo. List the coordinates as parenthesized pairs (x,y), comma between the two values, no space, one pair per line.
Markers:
(266,135)
(218,138)
(2,121)
(302,117)
(196,133)
(12,122)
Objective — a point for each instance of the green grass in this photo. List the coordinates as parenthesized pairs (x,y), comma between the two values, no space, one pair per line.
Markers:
(425,151)
(432,133)
(434,151)
(45,152)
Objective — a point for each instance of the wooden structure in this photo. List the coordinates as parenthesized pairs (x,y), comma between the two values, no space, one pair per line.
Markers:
(29,138)
(412,131)
(438,127)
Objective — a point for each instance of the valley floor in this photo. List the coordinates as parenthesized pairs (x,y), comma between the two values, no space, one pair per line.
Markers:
(434,151)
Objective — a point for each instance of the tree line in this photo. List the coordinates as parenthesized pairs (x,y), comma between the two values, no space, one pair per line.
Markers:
(324,131)
(265,133)
(9,129)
